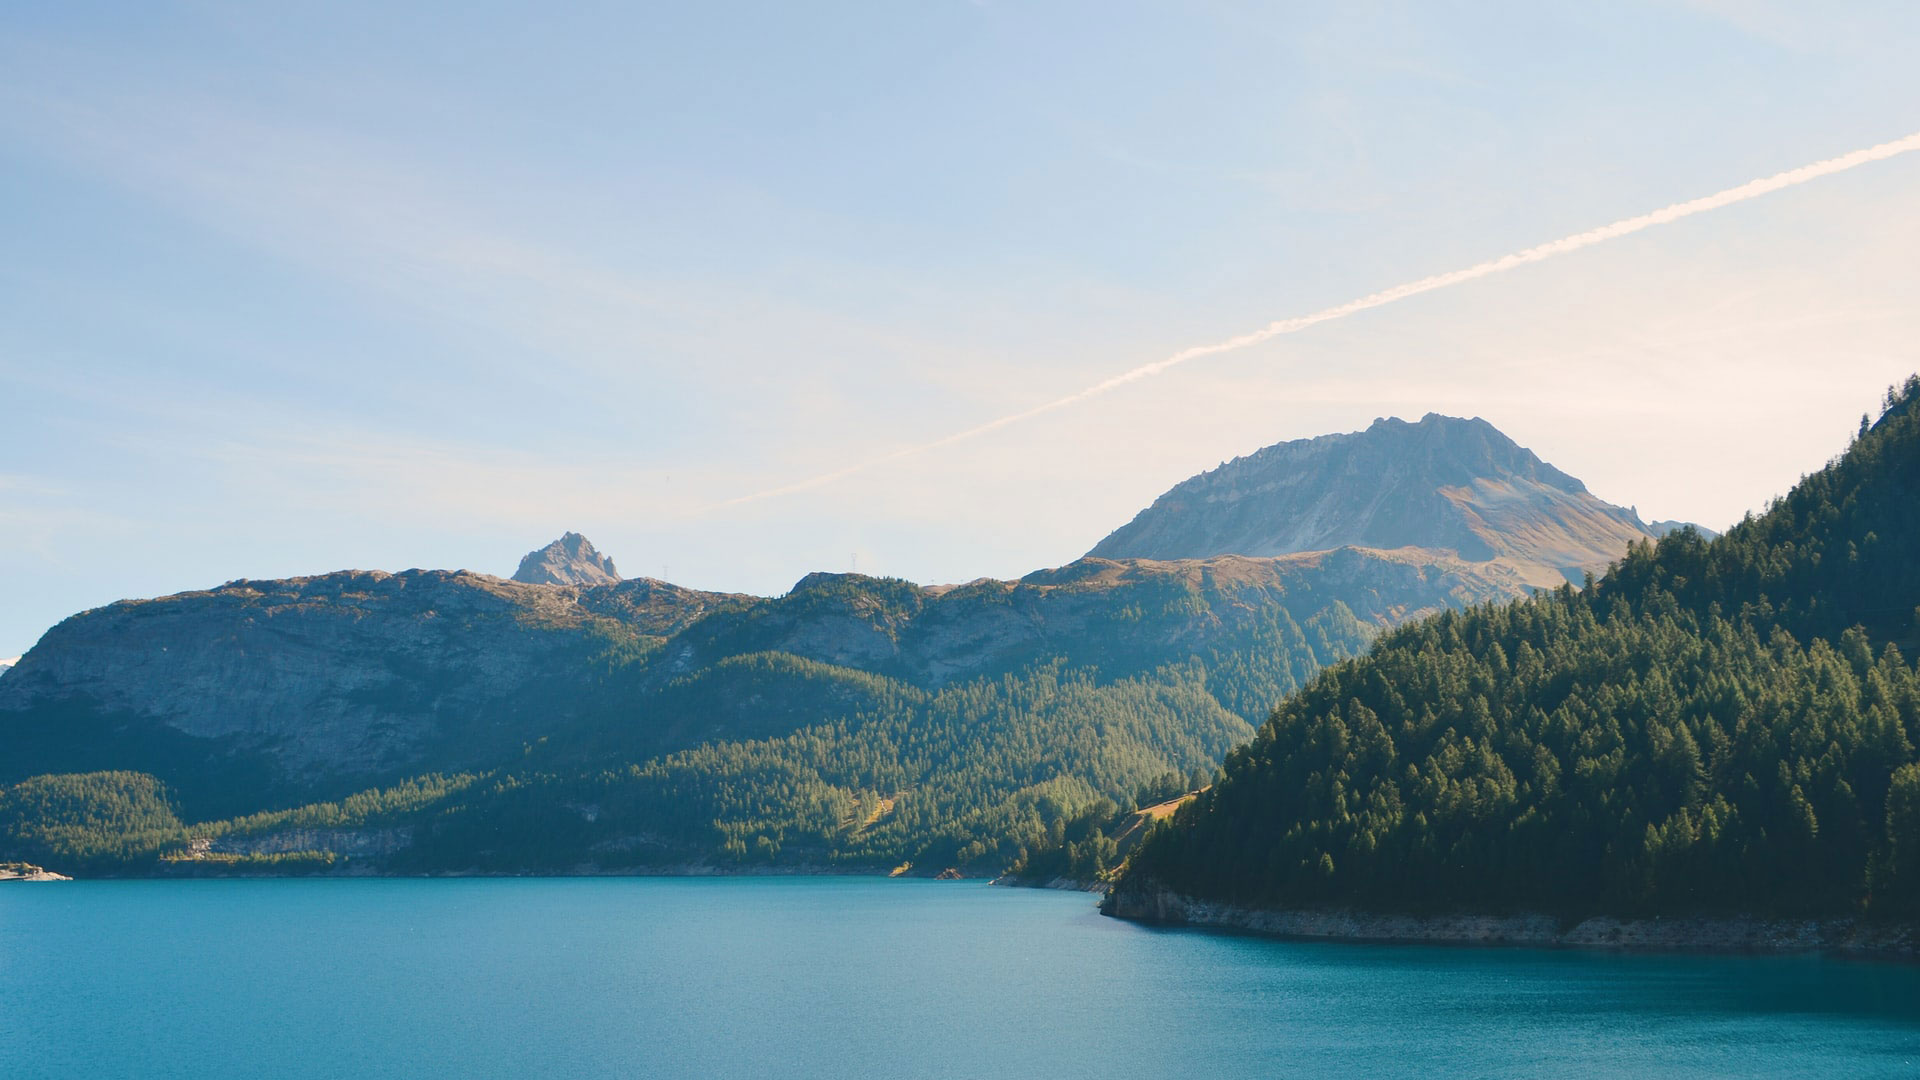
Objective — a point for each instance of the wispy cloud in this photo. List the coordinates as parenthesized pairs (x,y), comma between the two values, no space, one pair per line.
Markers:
(1753,189)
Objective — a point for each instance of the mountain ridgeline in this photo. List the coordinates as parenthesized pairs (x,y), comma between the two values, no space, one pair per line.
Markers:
(1722,727)
(570,720)
(854,721)
(1442,484)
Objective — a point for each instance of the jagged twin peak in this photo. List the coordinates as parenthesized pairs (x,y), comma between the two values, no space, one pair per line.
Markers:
(1443,484)
(570,560)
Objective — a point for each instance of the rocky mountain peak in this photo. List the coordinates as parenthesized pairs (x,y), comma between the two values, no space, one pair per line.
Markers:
(1443,483)
(1453,450)
(570,560)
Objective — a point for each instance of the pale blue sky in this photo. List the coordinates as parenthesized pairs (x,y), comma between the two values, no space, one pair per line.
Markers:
(291,288)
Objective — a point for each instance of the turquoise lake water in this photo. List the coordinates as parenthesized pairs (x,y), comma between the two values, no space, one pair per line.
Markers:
(837,977)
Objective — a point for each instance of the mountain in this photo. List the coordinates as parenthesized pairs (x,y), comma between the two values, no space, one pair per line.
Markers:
(435,720)
(1443,484)
(1720,728)
(570,560)
(258,693)
(8,663)
(853,721)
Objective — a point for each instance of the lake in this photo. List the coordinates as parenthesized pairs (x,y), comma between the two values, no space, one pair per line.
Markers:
(855,977)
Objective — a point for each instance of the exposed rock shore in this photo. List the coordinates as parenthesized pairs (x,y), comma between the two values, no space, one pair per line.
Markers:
(28,872)
(1064,884)
(1682,934)
(199,865)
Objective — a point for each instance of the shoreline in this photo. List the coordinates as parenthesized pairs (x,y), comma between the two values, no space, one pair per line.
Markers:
(1159,906)
(189,870)
(28,872)
(1061,884)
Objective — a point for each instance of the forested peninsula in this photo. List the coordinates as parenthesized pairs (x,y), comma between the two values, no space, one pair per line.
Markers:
(1721,731)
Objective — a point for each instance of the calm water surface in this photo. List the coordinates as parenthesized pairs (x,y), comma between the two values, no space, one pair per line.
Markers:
(857,978)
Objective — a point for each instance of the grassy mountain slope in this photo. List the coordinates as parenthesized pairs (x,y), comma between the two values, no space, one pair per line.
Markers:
(1442,484)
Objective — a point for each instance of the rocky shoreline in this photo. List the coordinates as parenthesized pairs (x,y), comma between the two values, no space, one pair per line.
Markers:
(1064,884)
(28,872)
(363,868)
(1161,906)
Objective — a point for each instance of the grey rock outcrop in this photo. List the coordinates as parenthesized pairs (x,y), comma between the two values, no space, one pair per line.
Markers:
(19,871)
(1152,902)
(570,560)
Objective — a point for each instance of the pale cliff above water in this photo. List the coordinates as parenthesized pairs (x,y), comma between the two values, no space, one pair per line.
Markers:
(16,871)
(1160,906)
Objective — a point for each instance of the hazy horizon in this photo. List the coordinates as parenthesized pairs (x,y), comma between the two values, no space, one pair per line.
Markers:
(294,292)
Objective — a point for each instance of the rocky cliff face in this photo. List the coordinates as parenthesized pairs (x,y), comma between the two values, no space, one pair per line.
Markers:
(570,560)
(1443,484)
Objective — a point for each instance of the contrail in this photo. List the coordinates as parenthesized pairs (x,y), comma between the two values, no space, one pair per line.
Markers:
(1753,189)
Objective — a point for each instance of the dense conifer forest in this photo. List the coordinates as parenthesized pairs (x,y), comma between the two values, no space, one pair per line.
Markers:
(1717,727)
(966,777)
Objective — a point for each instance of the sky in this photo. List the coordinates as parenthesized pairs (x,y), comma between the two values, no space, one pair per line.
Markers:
(293,288)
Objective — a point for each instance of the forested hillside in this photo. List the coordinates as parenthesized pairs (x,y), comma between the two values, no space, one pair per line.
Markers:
(1725,726)
(727,746)
(962,778)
